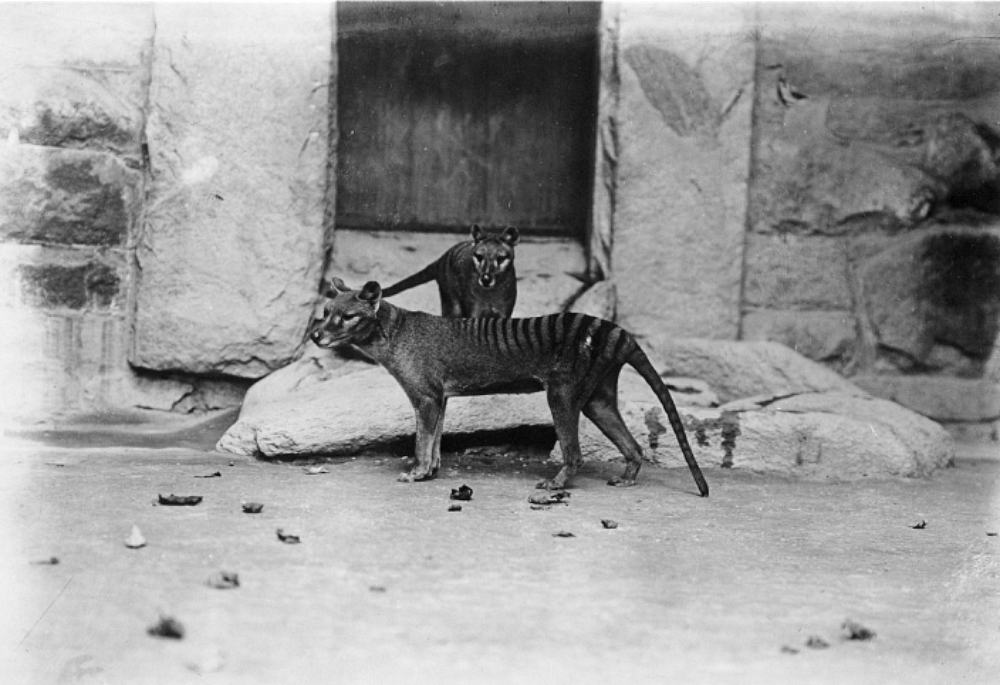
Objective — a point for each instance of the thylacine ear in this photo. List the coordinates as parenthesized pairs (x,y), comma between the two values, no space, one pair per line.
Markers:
(332,287)
(371,293)
(510,236)
(478,234)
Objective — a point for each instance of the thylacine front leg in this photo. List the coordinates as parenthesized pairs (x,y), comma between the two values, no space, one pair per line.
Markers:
(429,414)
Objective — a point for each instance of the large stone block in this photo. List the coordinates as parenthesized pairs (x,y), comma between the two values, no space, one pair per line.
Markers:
(821,336)
(75,75)
(814,436)
(233,245)
(737,369)
(796,272)
(938,397)
(682,131)
(935,289)
(67,197)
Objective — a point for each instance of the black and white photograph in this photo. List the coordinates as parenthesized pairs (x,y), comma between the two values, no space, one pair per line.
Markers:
(368,342)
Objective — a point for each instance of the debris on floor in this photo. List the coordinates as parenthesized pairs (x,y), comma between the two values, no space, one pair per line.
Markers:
(462,494)
(549,497)
(315,470)
(855,631)
(51,561)
(223,580)
(563,534)
(609,524)
(816,642)
(919,526)
(217,474)
(180,500)
(288,538)
(135,540)
(377,588)
(167,626)
(252,507)
(785,649)
(455,507)
(209,662)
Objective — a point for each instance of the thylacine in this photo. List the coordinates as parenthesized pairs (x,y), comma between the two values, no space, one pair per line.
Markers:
(475,278)
(574,358)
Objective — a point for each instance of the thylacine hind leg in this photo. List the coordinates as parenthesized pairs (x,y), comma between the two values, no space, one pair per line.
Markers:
(566,419)
(602,409)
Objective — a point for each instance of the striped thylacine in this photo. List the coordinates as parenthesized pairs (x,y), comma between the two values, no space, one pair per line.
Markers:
(475,277)
(574,358)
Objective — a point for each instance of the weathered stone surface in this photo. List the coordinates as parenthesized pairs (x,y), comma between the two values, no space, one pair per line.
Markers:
(829,436)
(939,287)
(238,137)
(67,197)
(345,414)
(820,336)
(75,76)
(74,287)
(742,369)
(682,139)
(787,272)
(938,397)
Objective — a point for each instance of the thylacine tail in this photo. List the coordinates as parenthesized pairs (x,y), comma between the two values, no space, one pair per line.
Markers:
(425,275)
(638,360)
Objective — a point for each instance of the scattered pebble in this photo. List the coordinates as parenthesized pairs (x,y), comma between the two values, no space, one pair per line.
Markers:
(563,534)
(135,540)
(315,470)
(167,626)
(816,642)
(223,580)
(991,535)
(463,493)
(209,662)
(855,631)
(609,524)
(288,538)
(252,507)
(51,561)
(232,463)
(549,497)
(217,474)
(455,507)
(785,649)
(377,588)
(179,500)
(919,526)
(540,507)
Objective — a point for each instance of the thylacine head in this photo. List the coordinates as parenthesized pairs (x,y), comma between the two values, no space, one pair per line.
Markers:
(492,254)
(348,316)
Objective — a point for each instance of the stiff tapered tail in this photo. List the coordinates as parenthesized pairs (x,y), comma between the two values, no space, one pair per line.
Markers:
(640,362)
(425,275)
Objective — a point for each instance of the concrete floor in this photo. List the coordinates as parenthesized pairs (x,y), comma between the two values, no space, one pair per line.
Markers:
(388,586)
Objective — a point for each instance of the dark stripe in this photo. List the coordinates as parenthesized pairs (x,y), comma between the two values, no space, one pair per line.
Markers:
(621,350)
(535,336)
(504,326)
(549,333)
(494,334)
(574,332)
(517,328)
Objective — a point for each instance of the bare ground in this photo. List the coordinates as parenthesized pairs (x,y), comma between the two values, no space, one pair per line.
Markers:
(388,586)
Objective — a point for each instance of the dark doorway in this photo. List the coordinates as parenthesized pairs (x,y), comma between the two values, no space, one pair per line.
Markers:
(454,113)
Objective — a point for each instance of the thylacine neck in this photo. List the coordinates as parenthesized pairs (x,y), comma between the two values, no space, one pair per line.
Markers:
(379,345)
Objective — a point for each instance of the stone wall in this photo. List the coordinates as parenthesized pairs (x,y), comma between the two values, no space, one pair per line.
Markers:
(676,150)
(873,230)
(162,179)
(72,114)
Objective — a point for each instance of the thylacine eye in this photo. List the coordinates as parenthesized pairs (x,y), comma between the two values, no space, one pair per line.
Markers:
(502,259)
(478,258)
(349,316)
